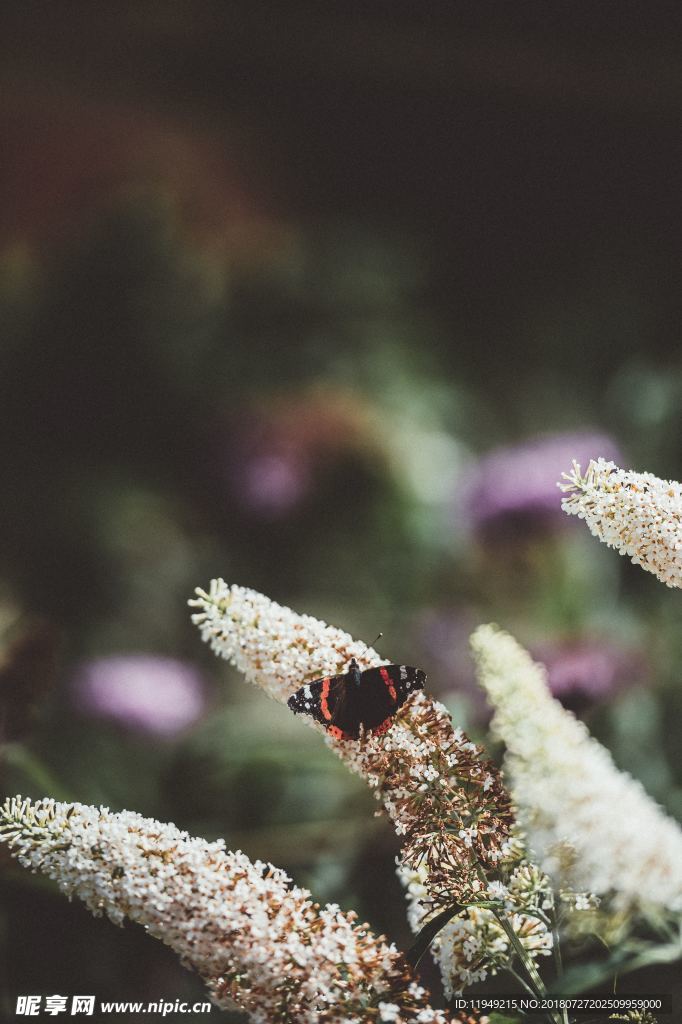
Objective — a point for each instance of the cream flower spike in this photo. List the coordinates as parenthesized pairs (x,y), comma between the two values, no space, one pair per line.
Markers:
(274,647)
(261,944)
(444,798)
(637,513)
(589,823)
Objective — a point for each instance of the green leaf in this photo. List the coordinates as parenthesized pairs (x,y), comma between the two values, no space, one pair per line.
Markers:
(432,927)
(429,932)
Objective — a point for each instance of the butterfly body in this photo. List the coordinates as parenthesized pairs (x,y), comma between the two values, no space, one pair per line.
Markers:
(357,700)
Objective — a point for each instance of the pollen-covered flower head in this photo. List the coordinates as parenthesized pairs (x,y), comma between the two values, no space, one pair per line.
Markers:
(637,513)
(260,943)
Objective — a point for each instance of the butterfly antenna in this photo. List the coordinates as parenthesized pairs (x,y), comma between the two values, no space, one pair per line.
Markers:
(375,640)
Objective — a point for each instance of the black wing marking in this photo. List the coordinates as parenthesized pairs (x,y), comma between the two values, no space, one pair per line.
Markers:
(320,699)
(406,679)
(396,681)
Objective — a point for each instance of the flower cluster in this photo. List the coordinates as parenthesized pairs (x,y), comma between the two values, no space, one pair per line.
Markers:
(446,802)
(589,823)
(444,798)
(635,1017)
(259,943)
(474,944)
(637,513)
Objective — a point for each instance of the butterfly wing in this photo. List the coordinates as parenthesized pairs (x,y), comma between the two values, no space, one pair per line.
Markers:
(372,704)
(320,699)
(406,679)
(343,708)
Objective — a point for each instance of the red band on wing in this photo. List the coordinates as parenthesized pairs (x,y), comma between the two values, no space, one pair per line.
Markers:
(383,727)
(389,684)
(324,707)
(337,733)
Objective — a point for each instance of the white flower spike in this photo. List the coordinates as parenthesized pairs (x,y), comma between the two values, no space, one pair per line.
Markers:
(589,823)
(637,513)
(260,943)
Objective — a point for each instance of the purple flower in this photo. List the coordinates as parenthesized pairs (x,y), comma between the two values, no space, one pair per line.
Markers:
(273,482)
(517,485)
(271,457)
(152,694)
(587,671)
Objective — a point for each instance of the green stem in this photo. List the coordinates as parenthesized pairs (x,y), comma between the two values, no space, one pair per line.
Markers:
(556,949)
(552,923)
(538,985)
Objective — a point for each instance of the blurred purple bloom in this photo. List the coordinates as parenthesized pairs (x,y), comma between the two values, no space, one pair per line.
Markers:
(271,456)
(517,485)
(272,482)
(153,694)
(586,671)
(267,470)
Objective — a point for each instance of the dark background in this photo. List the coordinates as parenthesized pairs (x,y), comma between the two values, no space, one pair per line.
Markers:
(274,280)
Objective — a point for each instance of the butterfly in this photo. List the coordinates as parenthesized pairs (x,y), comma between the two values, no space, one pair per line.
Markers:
(343,704)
